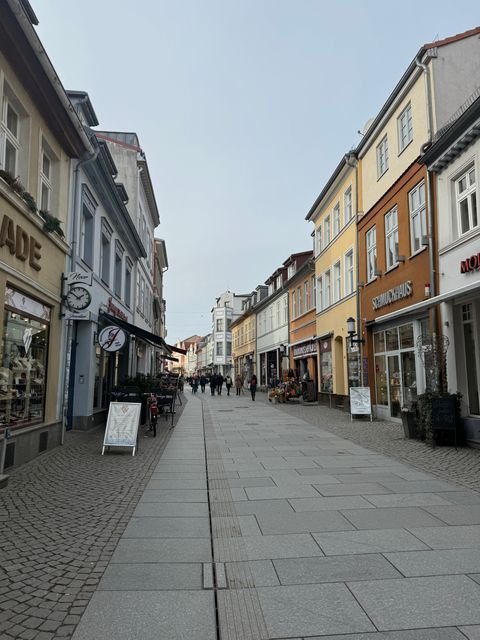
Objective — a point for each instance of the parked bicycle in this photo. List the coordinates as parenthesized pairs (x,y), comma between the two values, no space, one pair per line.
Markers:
(153,410)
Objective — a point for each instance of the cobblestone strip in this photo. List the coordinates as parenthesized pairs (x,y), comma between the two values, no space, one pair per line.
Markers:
(61,517)
(239,611)
(461,466)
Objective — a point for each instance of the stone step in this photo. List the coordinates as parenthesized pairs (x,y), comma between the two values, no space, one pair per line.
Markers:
(3,481)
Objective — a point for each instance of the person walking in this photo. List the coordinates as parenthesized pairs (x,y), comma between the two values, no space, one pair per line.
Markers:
(213,383)
(238,384)
(228,384)
(203,382)
(253,386)
(219,384)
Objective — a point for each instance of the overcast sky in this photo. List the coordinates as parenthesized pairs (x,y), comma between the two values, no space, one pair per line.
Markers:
(244,108)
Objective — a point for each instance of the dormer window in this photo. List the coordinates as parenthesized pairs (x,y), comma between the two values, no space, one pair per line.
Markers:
(271,288)
(291,269)
(279,282)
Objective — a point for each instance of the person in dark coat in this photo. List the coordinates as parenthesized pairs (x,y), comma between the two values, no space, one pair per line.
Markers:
(219,384)
(213,383)
(253,386)
(203,382)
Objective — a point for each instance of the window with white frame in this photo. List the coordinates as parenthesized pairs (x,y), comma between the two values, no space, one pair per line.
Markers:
(299,301)
(337,282)
(418,217)
(391,237)
(285,309)
(45,182)
(291,269)
(318,240)
(313,292)
(348,205)
(220,325)
(11,137)
(142,295)
(349,271)
(128,282)
(326,231)
(277,313)
(105,253)
(118,268)
(279,282)
(219,349)
(294,305)
(320,293)
(405,128)
(371,240)
(87,229)
(466,201)
(382,157)
(327,289)
(137,297)
(306,303)
(336,219)
(271,288)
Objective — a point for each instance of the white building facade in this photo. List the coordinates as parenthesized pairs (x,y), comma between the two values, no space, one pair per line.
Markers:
(227,308)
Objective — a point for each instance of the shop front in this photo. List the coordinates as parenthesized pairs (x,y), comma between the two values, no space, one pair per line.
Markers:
(304,356)
(326,366)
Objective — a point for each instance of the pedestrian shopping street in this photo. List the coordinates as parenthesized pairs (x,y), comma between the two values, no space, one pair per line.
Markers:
(247,521)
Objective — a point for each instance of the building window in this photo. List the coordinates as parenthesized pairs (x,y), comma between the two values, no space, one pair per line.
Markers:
(219,325)
(105,259)
(271,288)
(279,282)
(11,136)
(326,230)
(349,283)
(337,281)
(45,183)
(229,348)
(291,269)
(128,283)
(87,235)
(313,292)
(371,238)
(382,157)
(294,305)
(391,237)
(306,302)
(347,205)
(418,217)
(327,290)
(405,128)
(24,359)
(142,296)
(336,220)
(320,294)
(219,349)
(117,276)
(466,199)
(318,240)
(299,301)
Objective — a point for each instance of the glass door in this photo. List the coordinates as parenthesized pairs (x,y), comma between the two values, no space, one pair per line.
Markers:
(470,359)
(395,386)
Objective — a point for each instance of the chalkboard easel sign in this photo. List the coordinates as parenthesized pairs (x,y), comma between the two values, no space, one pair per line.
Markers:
(444,415)
(122,425)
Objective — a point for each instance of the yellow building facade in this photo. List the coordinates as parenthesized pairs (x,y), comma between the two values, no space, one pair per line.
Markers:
(334,215)
(243,344)
(39,135)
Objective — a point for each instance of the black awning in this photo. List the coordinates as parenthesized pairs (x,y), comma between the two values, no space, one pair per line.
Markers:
(152,338)
(170,358)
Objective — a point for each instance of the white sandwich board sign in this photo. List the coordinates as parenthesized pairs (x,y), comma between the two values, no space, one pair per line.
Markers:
(122,425)
(360,404)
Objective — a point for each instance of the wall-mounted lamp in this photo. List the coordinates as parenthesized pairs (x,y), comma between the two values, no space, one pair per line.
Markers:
(351,332)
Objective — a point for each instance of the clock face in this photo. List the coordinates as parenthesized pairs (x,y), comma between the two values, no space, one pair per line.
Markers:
(78,298)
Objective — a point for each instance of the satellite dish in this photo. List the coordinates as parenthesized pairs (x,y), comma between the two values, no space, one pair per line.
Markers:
(366,126)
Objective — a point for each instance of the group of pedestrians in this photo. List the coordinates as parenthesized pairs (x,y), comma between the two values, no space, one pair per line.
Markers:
(216,382)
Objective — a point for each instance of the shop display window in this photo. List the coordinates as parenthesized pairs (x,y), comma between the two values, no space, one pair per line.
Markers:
(23,371)
(381,380)
(326,367)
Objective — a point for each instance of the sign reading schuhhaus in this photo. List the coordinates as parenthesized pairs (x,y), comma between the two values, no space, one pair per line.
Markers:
(403,290)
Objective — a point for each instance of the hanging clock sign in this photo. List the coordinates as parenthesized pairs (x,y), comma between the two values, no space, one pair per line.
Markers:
(111,338)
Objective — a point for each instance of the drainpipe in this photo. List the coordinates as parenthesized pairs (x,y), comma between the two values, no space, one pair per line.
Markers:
(70,346)
(429,101)
(352,161)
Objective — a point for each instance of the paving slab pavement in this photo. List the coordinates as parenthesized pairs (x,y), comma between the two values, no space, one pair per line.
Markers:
(257,522)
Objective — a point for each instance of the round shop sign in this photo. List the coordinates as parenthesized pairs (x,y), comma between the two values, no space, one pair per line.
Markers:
(111,338)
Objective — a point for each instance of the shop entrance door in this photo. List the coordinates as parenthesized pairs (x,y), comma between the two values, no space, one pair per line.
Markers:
(395,387)
(470,359)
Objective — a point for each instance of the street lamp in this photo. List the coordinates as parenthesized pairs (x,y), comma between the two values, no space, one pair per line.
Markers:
(351,332)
